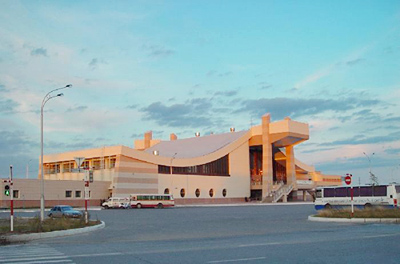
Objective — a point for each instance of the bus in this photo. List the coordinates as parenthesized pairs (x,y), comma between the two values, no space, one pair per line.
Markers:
(152,200)
(363,196)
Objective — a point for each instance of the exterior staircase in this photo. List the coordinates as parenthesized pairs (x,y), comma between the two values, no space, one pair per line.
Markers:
(281,191)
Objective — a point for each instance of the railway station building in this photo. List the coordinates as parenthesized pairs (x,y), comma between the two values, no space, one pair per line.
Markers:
(237,166)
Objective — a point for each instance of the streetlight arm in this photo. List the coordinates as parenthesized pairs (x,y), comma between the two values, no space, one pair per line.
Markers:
(47,97)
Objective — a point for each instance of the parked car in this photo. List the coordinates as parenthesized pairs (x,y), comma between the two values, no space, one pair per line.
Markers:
(64,211)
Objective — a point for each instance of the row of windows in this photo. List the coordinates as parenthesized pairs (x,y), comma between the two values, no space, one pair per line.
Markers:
(78,194)
(68,166)
(219,167)
(197,192)
(357,191)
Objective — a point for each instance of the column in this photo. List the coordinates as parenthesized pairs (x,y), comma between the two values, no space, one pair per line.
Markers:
(290,167)
(267,157)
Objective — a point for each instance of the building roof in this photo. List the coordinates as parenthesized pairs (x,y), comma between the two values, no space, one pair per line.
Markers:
(196,146)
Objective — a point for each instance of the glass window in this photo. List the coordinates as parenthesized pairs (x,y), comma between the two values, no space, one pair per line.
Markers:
(318,193)
(68,194)
(380,190)
(166,191)
(197,192)
(224,192)
(329,192)
(341,192)
(211,192)
(366,191)
(78,194)
(15,194)
(397,188)
(183,193)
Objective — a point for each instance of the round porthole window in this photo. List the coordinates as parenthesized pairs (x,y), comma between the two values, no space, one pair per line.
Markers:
(197,192)
(211,192)
(224,192)
(166,191)
(183,193)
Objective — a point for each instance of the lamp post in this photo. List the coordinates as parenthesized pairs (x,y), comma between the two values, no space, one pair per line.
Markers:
(27,168)
(46,98)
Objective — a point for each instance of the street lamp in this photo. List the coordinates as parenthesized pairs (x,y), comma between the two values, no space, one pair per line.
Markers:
(373,178)
(47,97)
(27,168)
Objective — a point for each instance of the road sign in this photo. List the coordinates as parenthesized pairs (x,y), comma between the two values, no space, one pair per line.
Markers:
(79,161)
(347,180)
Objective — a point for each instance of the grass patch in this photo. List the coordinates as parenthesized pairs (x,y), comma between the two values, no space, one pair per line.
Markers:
(34,225)
(376,212)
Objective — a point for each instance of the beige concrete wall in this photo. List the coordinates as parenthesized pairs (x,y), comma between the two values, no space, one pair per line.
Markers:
(134,176)
(237,184)
(55,191)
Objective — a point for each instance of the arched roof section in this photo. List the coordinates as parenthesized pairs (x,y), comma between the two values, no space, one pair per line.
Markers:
(191,151)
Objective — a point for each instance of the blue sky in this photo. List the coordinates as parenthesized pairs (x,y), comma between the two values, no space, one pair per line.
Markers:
(186,66)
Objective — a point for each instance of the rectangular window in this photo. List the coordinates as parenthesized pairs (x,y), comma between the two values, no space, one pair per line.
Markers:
(329,192)
(366,191)
(341,192)
(78,194)
(397,188)
(380,190)
(97,165)
(15,194)
(68,194)
(67,167)
(112,162)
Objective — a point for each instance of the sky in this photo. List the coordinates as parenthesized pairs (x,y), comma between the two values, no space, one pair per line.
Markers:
(202,66)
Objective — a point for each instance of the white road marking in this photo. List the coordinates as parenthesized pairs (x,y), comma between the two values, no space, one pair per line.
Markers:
(31,254)
(236,260)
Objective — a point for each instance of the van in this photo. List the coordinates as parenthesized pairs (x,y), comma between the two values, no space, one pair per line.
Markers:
(117,202)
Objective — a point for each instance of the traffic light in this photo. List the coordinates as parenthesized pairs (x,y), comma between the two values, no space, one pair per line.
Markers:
(7,190)
(90,176)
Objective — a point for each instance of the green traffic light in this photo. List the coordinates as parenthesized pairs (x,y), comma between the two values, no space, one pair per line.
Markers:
(7,190)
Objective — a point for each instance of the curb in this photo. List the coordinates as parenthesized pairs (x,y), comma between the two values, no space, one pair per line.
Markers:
(61,233)
(355,220)
(243,204)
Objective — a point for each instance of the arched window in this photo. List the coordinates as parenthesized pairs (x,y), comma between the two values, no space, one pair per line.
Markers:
(197,192)
(224,192)
(211,192)
(166,191)
(183,193)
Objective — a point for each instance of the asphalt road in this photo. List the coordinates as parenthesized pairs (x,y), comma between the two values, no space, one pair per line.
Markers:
(242,234)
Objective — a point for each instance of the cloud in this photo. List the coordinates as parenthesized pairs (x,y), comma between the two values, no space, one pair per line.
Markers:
(314,77)
(193,113)
(393,151)
(281,107)
(76,109)
(7,106)
(354,62)
(222,74)
(363,139)
(95,62)
(39,52)
(134,106)
(158,51)
(3,88)
(226,93)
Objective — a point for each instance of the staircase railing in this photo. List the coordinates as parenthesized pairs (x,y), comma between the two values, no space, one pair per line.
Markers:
(283,190)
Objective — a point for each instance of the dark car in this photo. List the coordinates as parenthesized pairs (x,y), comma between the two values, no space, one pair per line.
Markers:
(64,211)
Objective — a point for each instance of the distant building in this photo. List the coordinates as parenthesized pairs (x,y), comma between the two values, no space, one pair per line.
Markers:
(256,164)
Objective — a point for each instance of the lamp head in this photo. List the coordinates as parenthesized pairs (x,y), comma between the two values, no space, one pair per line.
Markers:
(68,85)
(60,94)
